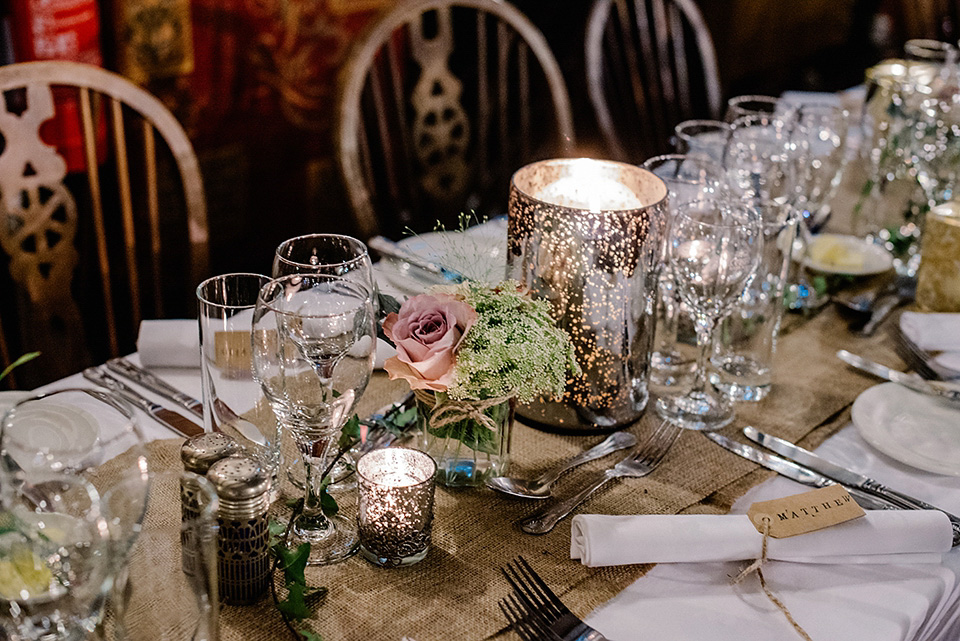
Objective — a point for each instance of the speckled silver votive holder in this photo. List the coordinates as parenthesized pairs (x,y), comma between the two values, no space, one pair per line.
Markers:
(395,505)
(587,235)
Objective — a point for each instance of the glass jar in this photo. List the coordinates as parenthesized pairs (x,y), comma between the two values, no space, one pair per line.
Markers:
(468,439)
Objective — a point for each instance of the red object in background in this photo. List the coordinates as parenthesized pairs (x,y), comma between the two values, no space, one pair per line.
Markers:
(61,30)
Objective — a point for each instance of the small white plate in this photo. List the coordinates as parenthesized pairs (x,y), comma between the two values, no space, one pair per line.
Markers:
(913,428)
(52,427)
(846,255)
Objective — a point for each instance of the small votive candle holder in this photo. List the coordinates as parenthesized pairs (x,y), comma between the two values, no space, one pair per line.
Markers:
(395,511)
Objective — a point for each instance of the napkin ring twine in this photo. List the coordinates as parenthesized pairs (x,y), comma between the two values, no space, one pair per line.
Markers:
(757,566)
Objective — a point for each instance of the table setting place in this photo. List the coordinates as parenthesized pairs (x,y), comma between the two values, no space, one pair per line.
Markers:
(714,395)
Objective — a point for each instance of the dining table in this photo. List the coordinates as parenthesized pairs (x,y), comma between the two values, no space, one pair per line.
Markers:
(454,592)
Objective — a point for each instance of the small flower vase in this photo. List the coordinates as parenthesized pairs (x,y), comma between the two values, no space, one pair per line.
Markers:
(468,439)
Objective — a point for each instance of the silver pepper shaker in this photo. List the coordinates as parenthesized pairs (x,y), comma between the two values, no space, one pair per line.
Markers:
(198,454)
(243,540)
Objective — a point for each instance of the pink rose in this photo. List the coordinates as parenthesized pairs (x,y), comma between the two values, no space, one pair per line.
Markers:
(427,333)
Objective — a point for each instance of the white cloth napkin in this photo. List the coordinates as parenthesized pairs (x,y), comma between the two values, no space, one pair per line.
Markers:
(176,343)
(936,333)
(169,343)
(885,536)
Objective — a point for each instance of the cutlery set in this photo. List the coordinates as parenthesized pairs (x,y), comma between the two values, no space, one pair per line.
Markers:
(810,469)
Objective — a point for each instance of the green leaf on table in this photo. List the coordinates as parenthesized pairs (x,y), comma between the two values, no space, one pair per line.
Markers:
(293,563)
(294,606)
(309,635)
(29,356)
(276,530)
(349,433)
(328,504)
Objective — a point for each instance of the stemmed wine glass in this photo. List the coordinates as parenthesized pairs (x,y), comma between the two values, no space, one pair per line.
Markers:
(331,255)
(713,250)
(314,339)
(817,153)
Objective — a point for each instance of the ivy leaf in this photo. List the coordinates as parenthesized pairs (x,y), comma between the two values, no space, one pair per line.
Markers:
(293,563)
(349,433)
(276,530)
(309,635)
(388,305)
(328,504)
(294,605)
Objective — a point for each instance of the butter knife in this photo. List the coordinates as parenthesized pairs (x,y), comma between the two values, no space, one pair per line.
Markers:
(900,378)
(844,476)
(168,418)
(792,471)
(155,384)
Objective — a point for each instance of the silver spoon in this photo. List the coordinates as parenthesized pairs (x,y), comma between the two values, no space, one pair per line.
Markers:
(539,488)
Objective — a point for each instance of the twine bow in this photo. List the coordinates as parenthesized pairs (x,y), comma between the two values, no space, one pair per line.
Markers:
(757,566)
(453,411)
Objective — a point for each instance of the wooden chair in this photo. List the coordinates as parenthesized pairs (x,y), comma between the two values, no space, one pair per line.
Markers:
(105,227)
(650,64)
(439,104)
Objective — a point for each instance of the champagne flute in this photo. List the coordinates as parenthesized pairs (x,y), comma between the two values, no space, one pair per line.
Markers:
(314,341)
(332,255)
(713,250)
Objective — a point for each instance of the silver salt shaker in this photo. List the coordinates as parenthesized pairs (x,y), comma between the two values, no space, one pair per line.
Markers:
(243,545)
(198,454)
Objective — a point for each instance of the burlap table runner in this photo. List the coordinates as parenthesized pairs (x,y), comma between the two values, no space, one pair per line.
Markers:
(453,593)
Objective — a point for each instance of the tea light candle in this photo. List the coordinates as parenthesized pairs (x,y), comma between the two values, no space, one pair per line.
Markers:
(395,505)
(938,283)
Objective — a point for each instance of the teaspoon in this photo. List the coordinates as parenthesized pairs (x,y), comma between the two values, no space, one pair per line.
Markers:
(539,488)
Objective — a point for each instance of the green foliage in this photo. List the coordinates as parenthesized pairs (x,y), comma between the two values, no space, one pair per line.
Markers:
(297,605)
(388,305)
(29,356)
(514,348)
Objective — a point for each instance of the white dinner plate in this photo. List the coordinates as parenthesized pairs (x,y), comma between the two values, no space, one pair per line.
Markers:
(913,428)
(846,255)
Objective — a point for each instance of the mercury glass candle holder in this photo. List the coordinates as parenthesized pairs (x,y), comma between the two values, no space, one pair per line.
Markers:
(587,235)
(395,511)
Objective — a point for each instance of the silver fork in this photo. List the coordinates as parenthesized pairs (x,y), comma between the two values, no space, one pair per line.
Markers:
(536,613)
(919,360)
(640,462)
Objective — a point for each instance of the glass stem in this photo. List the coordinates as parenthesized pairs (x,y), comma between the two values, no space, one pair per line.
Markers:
(704,326)
(313,467)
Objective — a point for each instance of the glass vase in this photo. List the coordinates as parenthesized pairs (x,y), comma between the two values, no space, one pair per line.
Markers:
(467,450)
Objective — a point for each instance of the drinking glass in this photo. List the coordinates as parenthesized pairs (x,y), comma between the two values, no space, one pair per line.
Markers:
(702,138)
(750,105)
(232,402)
(818,144)
(713,250)
(756,158)
(314,343)
(332,255)
(688,179)
(54,557)
(744,346)
(167,589)
(925,50)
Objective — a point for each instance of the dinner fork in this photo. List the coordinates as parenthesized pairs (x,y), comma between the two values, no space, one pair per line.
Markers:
(640,462)
(536,613)
(919,360)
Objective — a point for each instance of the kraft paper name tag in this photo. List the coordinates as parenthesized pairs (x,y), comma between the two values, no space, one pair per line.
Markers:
(807,512)
(232,352)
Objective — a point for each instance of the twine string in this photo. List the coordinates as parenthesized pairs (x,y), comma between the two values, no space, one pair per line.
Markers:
(453,411)
(757,566)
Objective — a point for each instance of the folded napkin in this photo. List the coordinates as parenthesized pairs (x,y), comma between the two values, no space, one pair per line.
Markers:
(169,343)
(176,343)
(935,333)
(884,536)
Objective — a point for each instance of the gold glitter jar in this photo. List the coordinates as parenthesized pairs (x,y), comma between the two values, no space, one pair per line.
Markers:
(587,235)
(938,283)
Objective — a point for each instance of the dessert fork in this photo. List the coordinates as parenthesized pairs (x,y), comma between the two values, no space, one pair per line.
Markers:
(536,613)
(640,462)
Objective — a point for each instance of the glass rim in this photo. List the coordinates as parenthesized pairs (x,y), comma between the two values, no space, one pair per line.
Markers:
(764,119)
(417,452)
(263,302)
(681,128)
(705,161)
(736,101)
(357,243)
(720,203)
(203,298)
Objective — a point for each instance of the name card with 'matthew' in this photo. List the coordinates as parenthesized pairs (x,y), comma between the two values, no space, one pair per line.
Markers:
(806,512)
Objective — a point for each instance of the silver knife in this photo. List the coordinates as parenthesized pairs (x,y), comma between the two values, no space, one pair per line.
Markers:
(844,476)
(387,247)
(155,384)
(168,418)
(900,378)
(795,472)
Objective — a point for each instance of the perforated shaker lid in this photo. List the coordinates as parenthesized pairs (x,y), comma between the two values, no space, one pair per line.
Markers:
(237,478)
(200,452)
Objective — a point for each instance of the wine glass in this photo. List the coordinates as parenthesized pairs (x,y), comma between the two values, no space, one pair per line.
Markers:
(314,343)
(818,145)
(332,255)
(713,250)
(756,157)
(55,564)
(688,179)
